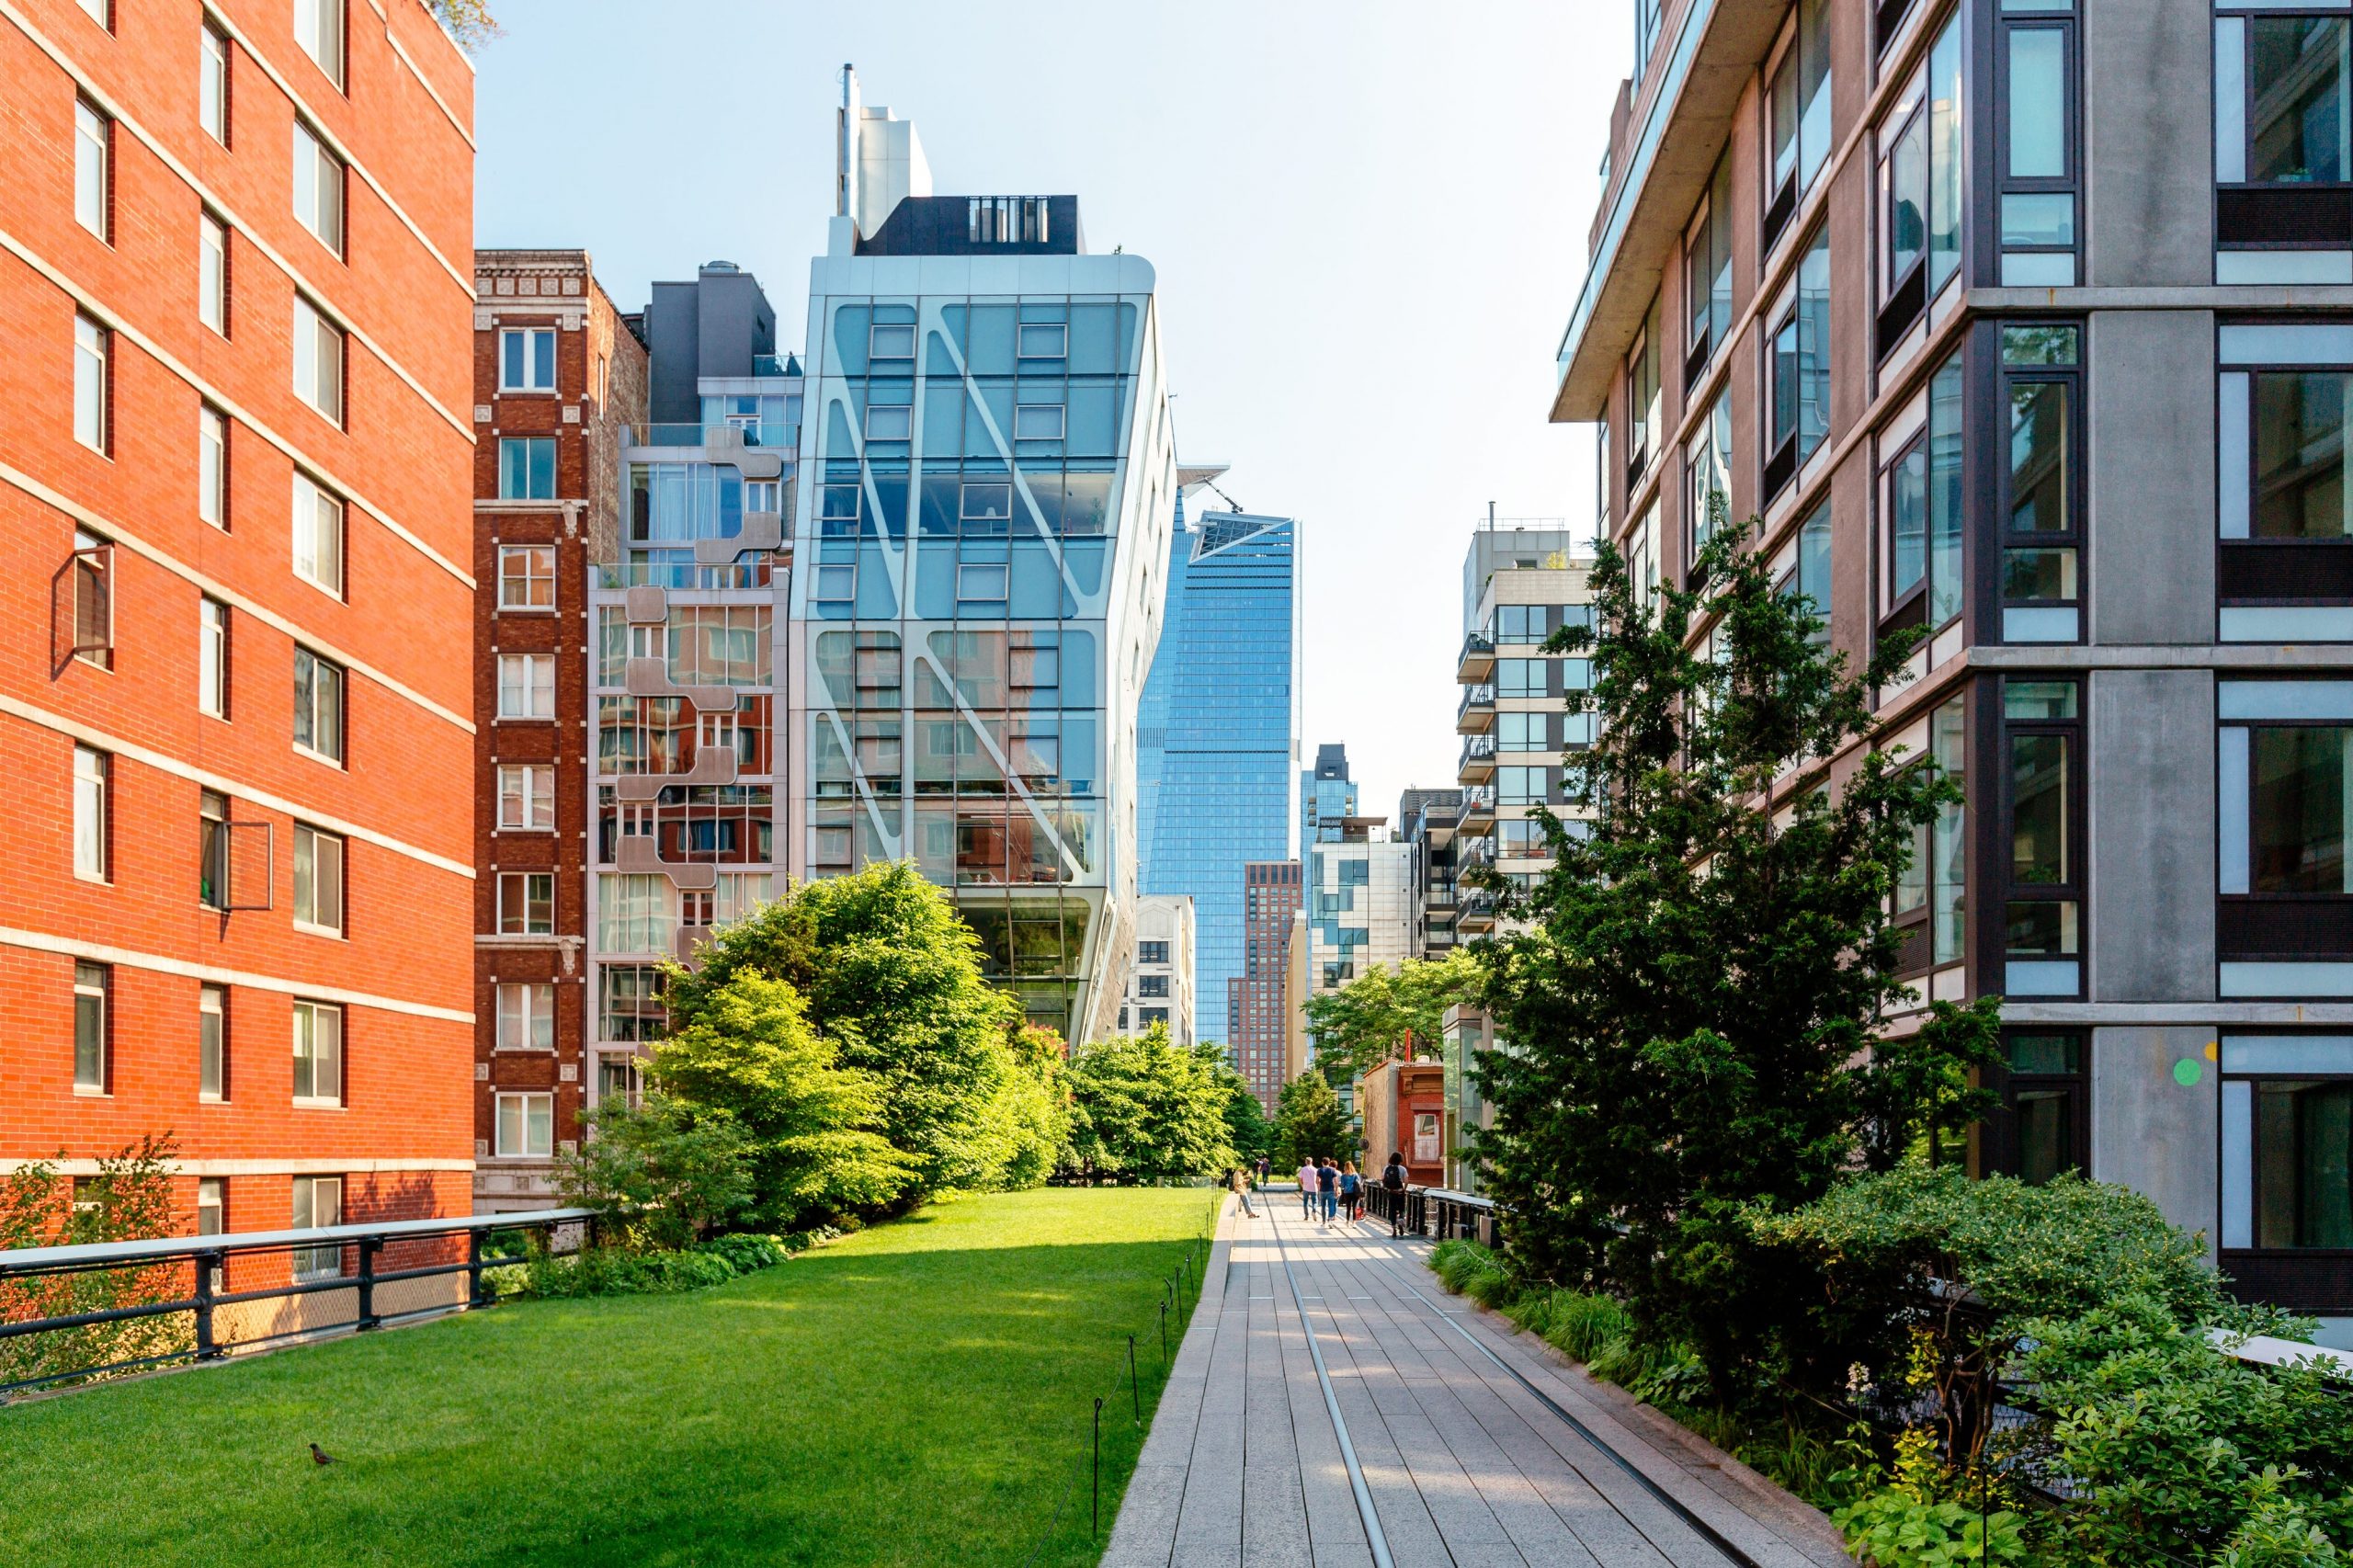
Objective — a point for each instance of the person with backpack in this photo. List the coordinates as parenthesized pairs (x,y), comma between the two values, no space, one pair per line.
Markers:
(1309,1186)
(1392,1181)
(1328,1185)
(1351,1191)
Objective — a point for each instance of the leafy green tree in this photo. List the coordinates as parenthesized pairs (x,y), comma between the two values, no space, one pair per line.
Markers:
(891,976)
(1037,1105)
(1390,1013)
(1310,1124)
(1246,1127)
(128,1199)
(813,1124)
(1694,1014)
(1145,1111)
(665,1170)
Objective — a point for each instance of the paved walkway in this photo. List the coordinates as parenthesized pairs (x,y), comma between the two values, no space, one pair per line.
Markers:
(1458,1461)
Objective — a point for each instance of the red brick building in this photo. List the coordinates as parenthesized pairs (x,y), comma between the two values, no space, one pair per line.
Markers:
(558,373)
(236,687)
(1260,1001)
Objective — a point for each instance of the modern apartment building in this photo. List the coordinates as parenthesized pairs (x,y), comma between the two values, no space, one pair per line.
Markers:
(240,707)
(1425,820)
(1163,985)
(687,661)
(1260,1000)
(558,376)
(2029,326)
(1217,739)
(1520,584)
(982,551)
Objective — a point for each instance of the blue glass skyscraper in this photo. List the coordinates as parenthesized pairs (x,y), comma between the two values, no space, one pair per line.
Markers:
(1216,733)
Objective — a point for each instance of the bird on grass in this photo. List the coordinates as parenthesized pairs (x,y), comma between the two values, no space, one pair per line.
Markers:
(320,1456)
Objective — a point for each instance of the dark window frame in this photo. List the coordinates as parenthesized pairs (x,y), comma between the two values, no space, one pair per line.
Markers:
(2073,888)
(2071,377)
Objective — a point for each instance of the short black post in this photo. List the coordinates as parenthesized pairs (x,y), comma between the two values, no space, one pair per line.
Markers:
(1164,1335)
(368,1246)
(1097,1530)
(206,1262)
(1134,1389)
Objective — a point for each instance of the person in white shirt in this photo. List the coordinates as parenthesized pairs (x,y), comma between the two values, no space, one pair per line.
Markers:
(1309,1189)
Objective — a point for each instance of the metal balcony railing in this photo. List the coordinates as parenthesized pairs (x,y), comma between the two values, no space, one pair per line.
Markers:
(1477,763)
(168,1299)
(1477,659)
(1477,709)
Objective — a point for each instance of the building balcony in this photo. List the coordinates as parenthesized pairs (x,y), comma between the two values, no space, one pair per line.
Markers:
(766,435)
(1478,761)
(1478,810)
(1476,714)
(1476,914)
(1477,660)
(1474,854)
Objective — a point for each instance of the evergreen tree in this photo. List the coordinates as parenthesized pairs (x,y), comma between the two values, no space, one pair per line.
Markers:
(1310,1124)
(1694,1021)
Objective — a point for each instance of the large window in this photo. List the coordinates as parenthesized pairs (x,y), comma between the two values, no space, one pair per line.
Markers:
(527,359)
(318,705)
(318,1203)
(2284,794)
(630,1003)
(1707,271)
(527,468)
(2041,1130)
(1930,895)
(526,1016)
(318,1056)
(318,361)
(93,813)
(318,187)
(212,1043)
(1921,508)
(93,169)
(2287,1142)
(2283,148)
(1708,472)
(526,797)
(319,28)
(1919,188)
(1798,379)
(526,903)
(1797,114)
(527,576)
(2035,61)
(526,685)
(525,1126)
(2285,400)
(318,880)
(93,1028)
(2043,745)
(2041,586)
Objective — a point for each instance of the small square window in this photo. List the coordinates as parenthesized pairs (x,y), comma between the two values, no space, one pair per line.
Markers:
(891,340)
(986,501)
(836,585)
(525,1126)
(1044,340)
(525,686)
(526,903)
(982,583)
(840,503)
(527,468)
(526,797)
(1038,422)
(889,421)
(526,1017)
(527,576)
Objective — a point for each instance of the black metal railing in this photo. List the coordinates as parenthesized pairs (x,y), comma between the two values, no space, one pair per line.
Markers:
(75,1312)
(1437,1212)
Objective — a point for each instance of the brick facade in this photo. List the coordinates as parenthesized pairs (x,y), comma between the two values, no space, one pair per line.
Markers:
(600,374)
(397,1128)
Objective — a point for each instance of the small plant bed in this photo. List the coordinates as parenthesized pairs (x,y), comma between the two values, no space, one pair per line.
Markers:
(916,1392)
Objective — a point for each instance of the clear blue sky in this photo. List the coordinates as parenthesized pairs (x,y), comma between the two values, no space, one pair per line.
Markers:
(1368,219)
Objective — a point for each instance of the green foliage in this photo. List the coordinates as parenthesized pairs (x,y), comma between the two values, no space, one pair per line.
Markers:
(748,1054)
(1864,1253)
(1035,1107)
(1892,1529)
(663,1169)
(128,1199)
(890,975)
(1310,1124)
(636,1271)
(2179,1449)
(1390,1013)
(1144,1110)
(469,22)
(1693,1012)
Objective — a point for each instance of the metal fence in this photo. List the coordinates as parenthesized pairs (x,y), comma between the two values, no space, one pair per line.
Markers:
(75,1312)
(1437,1212)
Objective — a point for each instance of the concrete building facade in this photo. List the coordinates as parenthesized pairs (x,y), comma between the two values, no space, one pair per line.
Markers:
(1264,1046)
(1163,984)
(2028,327)
(558,377)
(238,695)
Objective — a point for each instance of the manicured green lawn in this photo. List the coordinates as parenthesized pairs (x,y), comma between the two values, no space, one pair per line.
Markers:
(917,1393)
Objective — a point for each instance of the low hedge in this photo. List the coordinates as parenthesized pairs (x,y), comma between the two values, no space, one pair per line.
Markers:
(628,1270)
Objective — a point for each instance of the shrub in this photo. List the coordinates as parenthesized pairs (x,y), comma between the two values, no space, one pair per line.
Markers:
(625,1270)
(129,1198)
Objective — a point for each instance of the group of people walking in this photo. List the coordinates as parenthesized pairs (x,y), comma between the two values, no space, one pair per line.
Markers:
(1327,1190)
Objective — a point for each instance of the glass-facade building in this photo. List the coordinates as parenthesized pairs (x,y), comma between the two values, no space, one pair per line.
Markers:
(988,490)
(1218,733)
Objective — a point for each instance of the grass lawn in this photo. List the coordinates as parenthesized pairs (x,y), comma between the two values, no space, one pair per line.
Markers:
(919,1392)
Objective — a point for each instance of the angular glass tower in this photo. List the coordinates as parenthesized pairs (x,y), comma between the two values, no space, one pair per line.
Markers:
(988,493)
(1219,732)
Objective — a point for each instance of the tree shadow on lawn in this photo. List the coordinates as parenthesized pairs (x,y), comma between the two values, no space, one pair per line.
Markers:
(851,1407)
